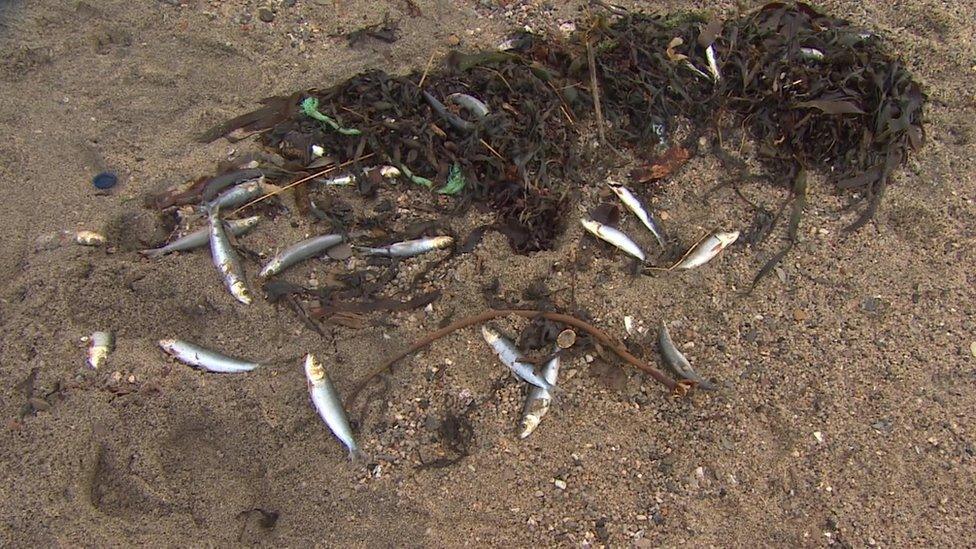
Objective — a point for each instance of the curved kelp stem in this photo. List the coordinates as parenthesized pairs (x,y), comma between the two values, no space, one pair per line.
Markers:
(599,335)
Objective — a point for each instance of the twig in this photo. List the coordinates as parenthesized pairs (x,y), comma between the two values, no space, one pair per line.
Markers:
(426,70)
(493,151)
(595,90)
(675,387)
(302,180)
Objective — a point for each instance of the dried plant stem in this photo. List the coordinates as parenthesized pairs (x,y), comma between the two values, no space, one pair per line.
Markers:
(598,334)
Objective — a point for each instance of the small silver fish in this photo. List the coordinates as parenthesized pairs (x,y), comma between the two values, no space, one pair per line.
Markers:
(218,184)
(510,356)
(613,236)
(538,401)
(211,361)
(326,400)
(811,54)
(447,115)
(410,248)
(201,237)
(99,347)
(299,252)
(241,194)
(712,63)
(677,361)
(706,250)
(633,204)
(387,172)
(90,238)
(225,259)
(474,105)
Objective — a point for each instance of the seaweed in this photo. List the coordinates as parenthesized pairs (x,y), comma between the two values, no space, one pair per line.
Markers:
(813,91)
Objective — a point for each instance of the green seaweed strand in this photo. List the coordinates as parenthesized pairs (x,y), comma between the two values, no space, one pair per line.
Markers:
(310,108)
(455,181)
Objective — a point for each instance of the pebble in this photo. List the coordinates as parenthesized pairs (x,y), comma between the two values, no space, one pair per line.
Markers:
(453,40)
(561,484)
(972,348)
(266,15)
(800,315)
(819,436)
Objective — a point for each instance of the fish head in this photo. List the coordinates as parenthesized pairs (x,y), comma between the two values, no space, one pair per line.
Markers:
(250,221)
(167,344)
(490,334)
(528,424)
(314,370)
(590,225)
(615,185)
(441,242)
(389,171)
(725,239)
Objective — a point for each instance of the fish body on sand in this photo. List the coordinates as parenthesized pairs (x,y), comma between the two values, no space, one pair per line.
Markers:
(706,250)
(410,248)
(217,184)
(99,348)
(201,237)
(225,259)
(613,236)
(326,400)
(538,400)
(299,251)
(241,194)
(211,361)
(633,204)
(511,357)
(677,361)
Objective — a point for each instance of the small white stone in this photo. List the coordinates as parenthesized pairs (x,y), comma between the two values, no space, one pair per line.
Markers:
(561,484)
(819,436)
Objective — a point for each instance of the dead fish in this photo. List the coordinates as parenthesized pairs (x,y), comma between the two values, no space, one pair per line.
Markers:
(613,236)
(511,357)
(90,238)
(201,237)
(387,172)
(299,252)
(712,63)
(225,258)
(217,184)
(811,54)
(447,115)
(211,361)
(633,204)
(538,401)
(241,194)
(677,361)
(326,400)
(706,250)
(469,102)
(99,347)
(410,248)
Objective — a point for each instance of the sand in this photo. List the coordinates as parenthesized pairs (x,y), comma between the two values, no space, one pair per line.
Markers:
(848,399)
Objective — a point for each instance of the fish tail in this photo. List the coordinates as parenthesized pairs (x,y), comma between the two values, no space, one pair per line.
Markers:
(357,456)
(152,254)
